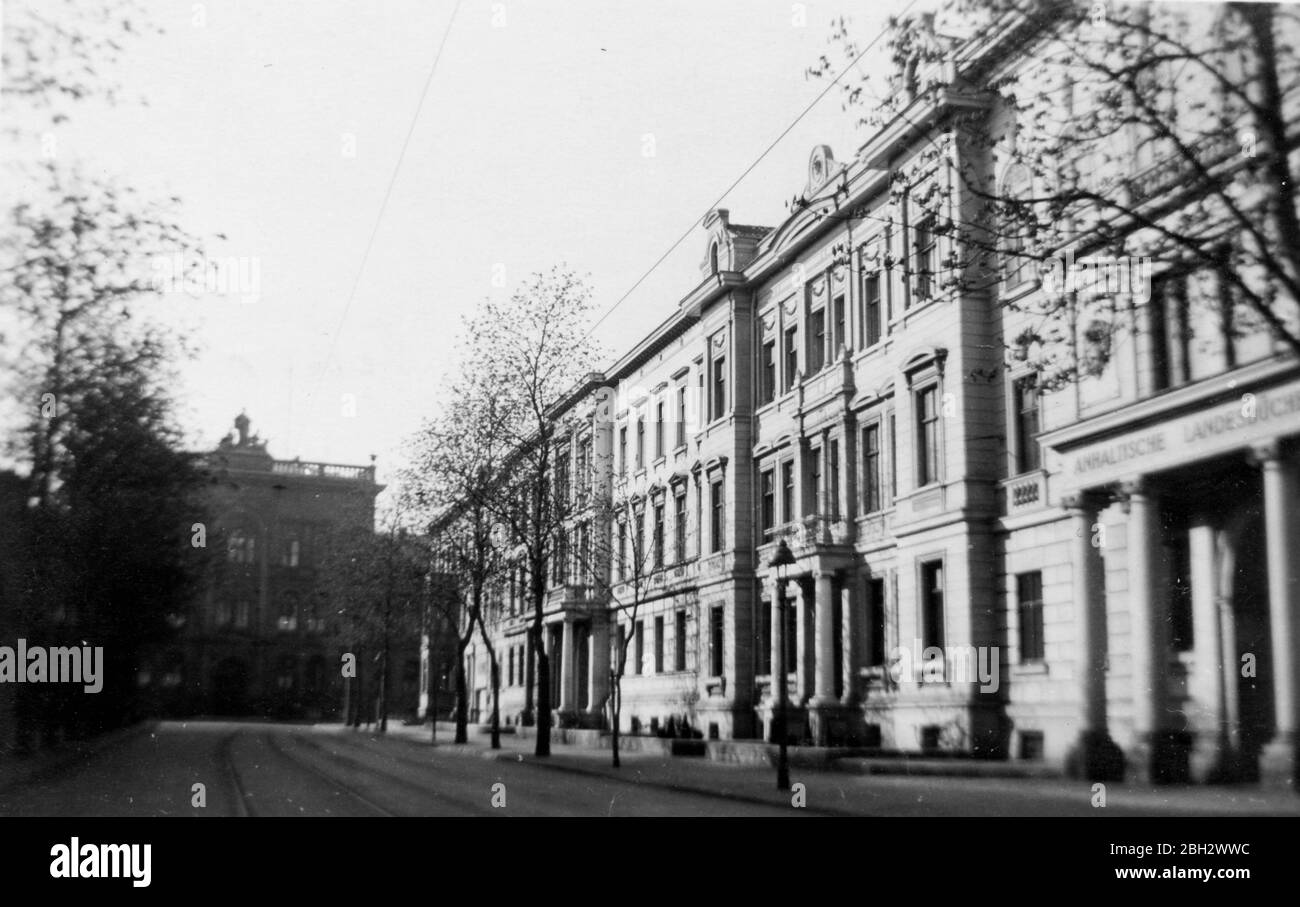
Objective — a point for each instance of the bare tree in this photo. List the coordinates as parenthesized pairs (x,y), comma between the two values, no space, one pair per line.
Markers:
(1085,135)
(524,356)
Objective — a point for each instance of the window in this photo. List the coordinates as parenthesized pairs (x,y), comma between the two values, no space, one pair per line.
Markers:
(838,337)
(1016,186)
(815,480)
(640,442)
(764,641)
(560,561)
(288,618)
(659,429)
(284,674)
(562,477)
(510,667)
(716,641)
(1027,450)
(719,386)
(679,526)
(767,499)
(223,614)
(833,505)
(718,518)
(876,589)
(923,258)
(927,426)
(932,604)
(816,341)
(787,491)
(679,642)
(622,550)
(242,609)
(893,458)
(638,644)
(622,449)
(620,649)
(638,546)
(681,415)
(289,555)
(659,644)
(659,537)
(241,548)
(315,615)
(699,518)
(1029,599)
(767,373)
(871,468)
(1170,336)
(871,310)
(791,356)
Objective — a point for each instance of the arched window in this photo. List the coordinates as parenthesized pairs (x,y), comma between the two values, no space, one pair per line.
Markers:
(713,258)
(1017,185)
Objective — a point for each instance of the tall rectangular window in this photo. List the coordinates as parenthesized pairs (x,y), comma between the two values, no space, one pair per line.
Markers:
(927,436)
(639,560)
(787,491)
(719,386)
(699,519)
(871,310)
(932,615)
(659,429)
(1027,424)
(717,628)
(816,341)
(622,449)
(717,521)
(659,644)
(923,258)
(767,499)
(791,355)
(893,459)
(620,648)
(659,536)
(833,491)
(839,336)
(871,468)
(638,645)
(679,526)
(815,480)
(767,373)
(1029,601)
(876,656)
(622,550)
(640,442)
(681,415)
(679,642)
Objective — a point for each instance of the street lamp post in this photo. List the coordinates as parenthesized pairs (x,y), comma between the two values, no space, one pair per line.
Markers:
(781,560)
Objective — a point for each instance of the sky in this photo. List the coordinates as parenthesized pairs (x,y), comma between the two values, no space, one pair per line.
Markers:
(592,134)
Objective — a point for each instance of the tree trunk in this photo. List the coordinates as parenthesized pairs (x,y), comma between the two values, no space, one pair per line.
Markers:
(543,702)
(383,693)
(462,699)
(496,703)
(616,708)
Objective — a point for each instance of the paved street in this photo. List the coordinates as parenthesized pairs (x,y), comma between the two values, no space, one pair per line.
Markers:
(258,769)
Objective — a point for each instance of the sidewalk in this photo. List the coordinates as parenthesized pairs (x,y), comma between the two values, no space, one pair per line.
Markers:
(15,770)
(852,789)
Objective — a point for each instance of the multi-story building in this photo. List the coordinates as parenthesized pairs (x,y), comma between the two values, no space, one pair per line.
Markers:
(1099,576)
(260,639)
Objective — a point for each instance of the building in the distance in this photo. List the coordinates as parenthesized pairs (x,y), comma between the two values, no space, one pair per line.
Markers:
(259,639)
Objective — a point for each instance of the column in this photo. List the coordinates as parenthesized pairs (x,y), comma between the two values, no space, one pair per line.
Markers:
(598,664)
(1099,757)
(1279,759)
(1146,625)
(775,590)
(568,666)
(799,602)
(850,633)
(1211,751)
(824,659)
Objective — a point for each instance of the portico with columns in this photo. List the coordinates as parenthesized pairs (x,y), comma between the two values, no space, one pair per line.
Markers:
(1182,535)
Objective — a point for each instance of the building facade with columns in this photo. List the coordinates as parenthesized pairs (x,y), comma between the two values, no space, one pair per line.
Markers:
(1097,576)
